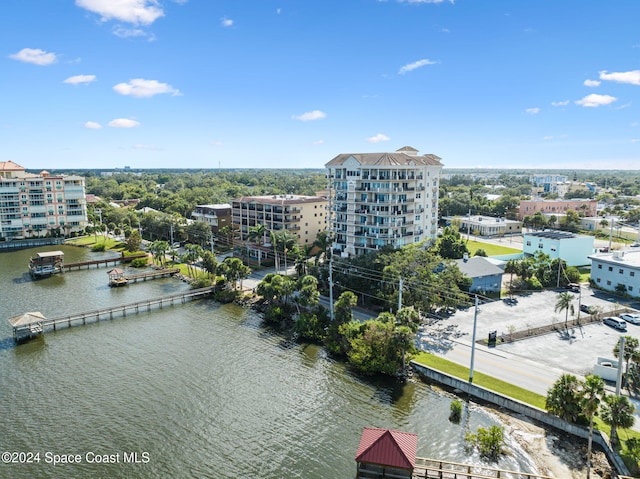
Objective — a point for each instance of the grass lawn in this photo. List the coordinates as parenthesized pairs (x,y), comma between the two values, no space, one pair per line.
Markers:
(479,379)
(91,240)
(490,248)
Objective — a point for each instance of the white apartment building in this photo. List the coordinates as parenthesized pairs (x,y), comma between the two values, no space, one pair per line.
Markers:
(36,205)
(618,271)
(383,199)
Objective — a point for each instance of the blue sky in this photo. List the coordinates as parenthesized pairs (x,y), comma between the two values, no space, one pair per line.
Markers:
(293,83)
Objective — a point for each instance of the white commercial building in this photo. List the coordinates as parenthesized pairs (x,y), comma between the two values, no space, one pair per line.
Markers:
(618,271)
(486,225)
(383,199)
(571,248)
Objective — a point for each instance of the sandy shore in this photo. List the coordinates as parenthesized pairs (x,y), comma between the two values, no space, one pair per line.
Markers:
(554,454)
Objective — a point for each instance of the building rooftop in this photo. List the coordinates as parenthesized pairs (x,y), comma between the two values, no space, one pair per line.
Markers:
(477,267)
(405,156)
(552,234)
(622,258)
(280,199)
(10,166)
(388,447)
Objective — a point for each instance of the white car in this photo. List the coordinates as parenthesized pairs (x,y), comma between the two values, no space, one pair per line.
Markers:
(631,318)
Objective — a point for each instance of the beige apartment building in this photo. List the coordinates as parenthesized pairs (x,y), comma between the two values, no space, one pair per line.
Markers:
(302,216)
(35,205)
(383,199)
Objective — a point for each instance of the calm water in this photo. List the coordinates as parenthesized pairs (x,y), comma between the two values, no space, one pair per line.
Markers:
(199,390)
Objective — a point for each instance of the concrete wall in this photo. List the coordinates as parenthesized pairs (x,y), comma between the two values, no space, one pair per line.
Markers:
(521,408)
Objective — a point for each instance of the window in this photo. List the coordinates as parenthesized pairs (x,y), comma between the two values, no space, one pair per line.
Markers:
(597,280)
(610,268)
(620,271)
(632,273)
(528,243)
(630,288)
(599,266)
(540,246)
(608,283)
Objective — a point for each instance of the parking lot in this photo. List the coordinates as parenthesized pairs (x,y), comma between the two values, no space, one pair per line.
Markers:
(574,353)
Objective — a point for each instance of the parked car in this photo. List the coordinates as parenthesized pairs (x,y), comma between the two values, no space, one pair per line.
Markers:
(585,308)
(631,318)
(616,323)
(575,287)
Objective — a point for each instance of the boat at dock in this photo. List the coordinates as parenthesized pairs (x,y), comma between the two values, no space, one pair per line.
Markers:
(46,264)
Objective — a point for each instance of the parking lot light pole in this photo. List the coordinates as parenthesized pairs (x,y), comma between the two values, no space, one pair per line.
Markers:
(473,341)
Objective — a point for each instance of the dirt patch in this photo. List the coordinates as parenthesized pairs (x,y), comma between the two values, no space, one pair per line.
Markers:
(555,454)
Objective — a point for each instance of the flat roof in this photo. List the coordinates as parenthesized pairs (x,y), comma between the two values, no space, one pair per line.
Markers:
(49,254)
(628,258)
(552,234)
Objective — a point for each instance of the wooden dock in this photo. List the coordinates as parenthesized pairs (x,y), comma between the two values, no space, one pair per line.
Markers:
(436,469)
(102,262)
(24,329)
(123,280)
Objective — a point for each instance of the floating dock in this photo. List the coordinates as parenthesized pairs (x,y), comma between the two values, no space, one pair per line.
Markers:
(118,278)
(46,264)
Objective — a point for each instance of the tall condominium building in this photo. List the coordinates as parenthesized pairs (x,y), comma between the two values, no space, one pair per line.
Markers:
(36,205)
(383,199)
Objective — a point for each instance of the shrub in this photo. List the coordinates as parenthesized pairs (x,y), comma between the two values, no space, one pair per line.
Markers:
(139,263)
(455,411)
(99,247)
(488,441)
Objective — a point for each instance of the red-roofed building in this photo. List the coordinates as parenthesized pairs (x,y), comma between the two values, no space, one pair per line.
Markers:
(386,453)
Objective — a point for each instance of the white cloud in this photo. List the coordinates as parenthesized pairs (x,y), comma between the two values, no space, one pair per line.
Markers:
(635,140)
(310,116)
(594,100)
(378,138)
(532,111)
(35,56)
(318,142)
(226,22)
(122,32)
(412,66)
(92,125)
(217,143)
(144,147)
(123,123)
(560,103)
(78,79)
(592,83)
(137,12)
(279,11)
(141,88)
(631,77)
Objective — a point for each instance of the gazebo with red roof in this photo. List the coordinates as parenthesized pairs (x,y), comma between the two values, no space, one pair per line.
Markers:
(386,453)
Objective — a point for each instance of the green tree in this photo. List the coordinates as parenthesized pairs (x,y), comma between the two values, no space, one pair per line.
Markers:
(631,351)
(336,341)
(235,271)
(133,241)
(321,245)
(592,394)
(450,245)
(617,413)
(565,303)
(563,398)
(159,249)
(209,262)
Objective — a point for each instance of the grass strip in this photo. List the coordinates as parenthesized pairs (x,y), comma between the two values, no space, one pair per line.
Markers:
(490,248)
(481,379)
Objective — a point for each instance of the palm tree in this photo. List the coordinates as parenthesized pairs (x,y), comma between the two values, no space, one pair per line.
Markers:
(592,394)
(158,250)
(564,302)
(563,398)
(322,243)
(257,234)
(631,345)
(285,241)
(617,412)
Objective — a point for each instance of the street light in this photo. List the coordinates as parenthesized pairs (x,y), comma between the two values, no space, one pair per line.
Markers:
(473,340)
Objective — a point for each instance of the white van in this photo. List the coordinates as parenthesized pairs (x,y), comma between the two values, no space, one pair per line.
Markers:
(617,323)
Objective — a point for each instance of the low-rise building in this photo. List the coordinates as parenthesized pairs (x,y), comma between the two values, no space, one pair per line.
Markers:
(618,271)
(571,248)
(486,225)
(216,216)
(484,274)
(584,207)
(37,205)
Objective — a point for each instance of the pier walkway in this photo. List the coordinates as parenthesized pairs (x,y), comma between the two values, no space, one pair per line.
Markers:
(437,469)
(102,262)
(26,329)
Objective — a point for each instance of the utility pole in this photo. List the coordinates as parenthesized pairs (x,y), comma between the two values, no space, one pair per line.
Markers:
(211,241)
(620,363)
(473,341)
(559,268)
(611,234)
(469,226)
(400,294)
